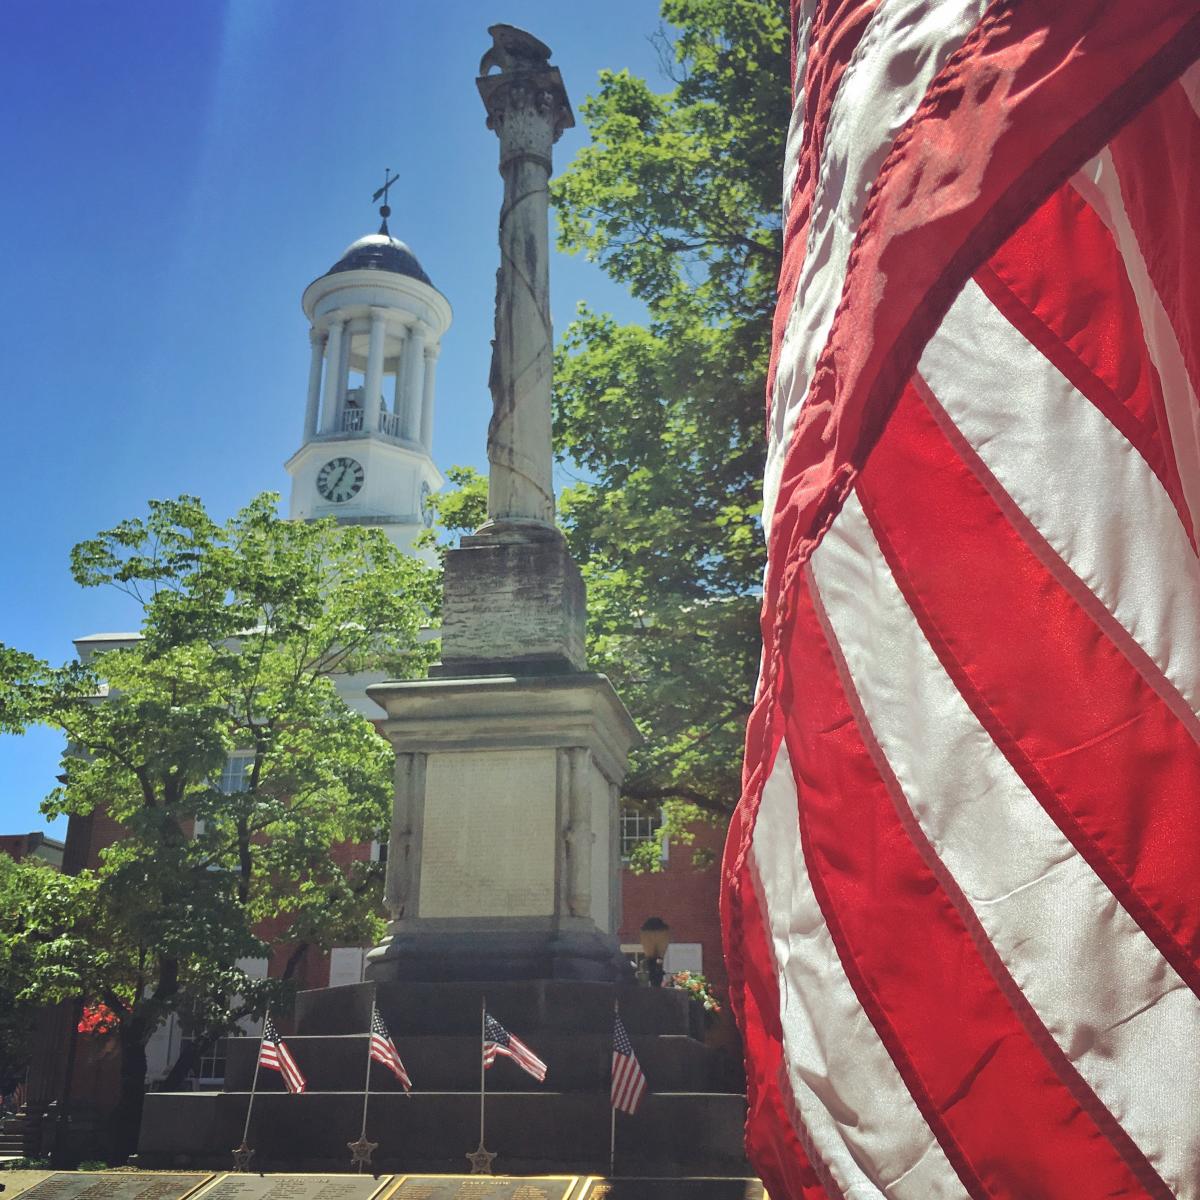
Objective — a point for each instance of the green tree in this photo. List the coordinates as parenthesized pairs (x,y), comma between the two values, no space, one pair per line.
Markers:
(677,198)
(245,625)
(38,909)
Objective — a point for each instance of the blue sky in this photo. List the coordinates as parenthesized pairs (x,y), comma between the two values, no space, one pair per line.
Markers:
(174,175)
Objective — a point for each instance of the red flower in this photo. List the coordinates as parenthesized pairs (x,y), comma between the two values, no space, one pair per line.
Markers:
(97,1019)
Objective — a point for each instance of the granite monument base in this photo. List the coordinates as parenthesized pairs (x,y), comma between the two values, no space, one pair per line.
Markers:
(503,857)
(413,952)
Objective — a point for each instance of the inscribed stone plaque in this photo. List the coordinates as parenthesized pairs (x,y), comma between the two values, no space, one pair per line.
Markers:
(672,1189)
(488,840)
(491,1187)
(294,1187)
(114,1185)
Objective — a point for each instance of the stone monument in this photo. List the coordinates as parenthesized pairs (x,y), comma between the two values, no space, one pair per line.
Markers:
(503,860)
(503,863)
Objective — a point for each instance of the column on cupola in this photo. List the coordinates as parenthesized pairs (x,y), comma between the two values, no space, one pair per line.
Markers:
(333,377)
(343,378)
(414,371)
(398,382)
(373,378)
(313,404)
(431,357)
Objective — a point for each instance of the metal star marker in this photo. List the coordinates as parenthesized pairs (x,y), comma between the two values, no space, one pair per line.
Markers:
(241,1158)
(361,1151)
(480,1160)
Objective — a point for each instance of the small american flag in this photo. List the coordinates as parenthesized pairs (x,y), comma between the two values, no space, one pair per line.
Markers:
(628,1081)
(383,1050)
(273,1055)
(497,1040)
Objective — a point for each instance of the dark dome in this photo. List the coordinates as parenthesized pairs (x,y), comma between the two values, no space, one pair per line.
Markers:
(379,252)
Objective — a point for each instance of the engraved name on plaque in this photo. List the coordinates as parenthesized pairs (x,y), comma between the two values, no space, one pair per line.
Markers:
(114,1185)
(471,1187)
(294,1187)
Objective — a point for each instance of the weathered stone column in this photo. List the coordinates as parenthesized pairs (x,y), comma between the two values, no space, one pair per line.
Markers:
(528,109)
(401,879)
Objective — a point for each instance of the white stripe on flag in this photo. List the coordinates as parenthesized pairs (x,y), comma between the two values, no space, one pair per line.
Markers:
(1100,188)
(855,1107)
(1190,82)
(903,47)
(1133,1032)
(1088,492)
(795,137)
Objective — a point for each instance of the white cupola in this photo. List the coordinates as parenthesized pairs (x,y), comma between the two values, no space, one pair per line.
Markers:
(376,327)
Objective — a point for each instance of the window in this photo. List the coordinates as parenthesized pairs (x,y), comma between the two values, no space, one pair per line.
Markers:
(208,1071)
(235,774)
(637,827)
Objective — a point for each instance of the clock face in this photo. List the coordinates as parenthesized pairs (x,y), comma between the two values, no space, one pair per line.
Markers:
(426,510)
(339,479)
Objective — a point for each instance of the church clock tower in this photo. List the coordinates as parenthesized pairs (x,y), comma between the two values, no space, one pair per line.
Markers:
(376,328)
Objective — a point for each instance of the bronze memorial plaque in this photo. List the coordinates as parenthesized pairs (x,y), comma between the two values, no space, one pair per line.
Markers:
(483,1187)
(295,1187)
(114,1185)
(672,1189)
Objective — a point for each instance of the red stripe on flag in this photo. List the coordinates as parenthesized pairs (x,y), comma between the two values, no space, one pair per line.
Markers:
(930,222)
(1156,157)
(1006,1119)
(977,591)
(1062,283)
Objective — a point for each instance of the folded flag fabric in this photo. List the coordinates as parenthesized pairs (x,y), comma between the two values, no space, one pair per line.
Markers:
(959,892)
(497,1040)
(274,1055)
(383,1050)
(628,1080)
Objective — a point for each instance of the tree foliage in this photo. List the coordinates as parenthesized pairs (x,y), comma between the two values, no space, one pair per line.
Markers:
(39,940)
(245,627)
(676,197)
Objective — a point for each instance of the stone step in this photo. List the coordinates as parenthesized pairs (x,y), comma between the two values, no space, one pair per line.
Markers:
(430,1132)
(525,1008)
(577,1062)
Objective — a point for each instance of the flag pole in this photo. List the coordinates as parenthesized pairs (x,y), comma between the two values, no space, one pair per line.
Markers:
(612,1108)
(482,1067)
(481,1158)
(367,1082)
(241,1155)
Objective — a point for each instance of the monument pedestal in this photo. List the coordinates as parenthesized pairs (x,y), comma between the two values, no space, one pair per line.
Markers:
(689,1124)
(503,860)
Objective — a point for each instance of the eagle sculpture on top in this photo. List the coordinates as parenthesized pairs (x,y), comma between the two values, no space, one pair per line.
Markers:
(514,50)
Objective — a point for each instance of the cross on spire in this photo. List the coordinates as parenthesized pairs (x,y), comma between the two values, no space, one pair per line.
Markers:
(385,209)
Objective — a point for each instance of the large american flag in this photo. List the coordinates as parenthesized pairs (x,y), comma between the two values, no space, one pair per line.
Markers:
(383,1050)
(274,1055)
(497,1040)
(628,1081)
(961,893)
